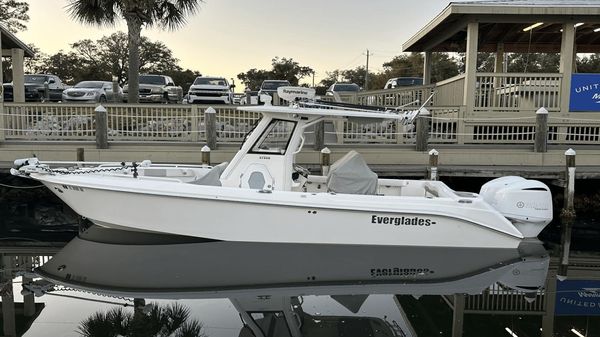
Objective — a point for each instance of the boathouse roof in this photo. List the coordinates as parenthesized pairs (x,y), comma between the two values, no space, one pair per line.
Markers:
(505,21)
(10,41)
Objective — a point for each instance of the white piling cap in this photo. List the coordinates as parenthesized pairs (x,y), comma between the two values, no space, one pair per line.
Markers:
(570,152)
(326,150)
(541,111)
(433,152)
(210,110)
(205,148)
(100,108)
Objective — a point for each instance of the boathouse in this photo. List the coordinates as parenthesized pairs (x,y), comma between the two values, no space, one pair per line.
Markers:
(16,50)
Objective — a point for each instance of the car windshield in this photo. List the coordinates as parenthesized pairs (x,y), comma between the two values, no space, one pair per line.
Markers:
(274,85)
(152,79)
(89,84)
(36,79)
(210,81)
(409,81)
(346,87)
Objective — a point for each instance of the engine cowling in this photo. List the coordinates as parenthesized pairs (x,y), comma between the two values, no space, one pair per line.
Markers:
(526,203)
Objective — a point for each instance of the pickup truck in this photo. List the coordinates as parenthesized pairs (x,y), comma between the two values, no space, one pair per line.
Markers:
(157,89)
(210,89)
(34,88)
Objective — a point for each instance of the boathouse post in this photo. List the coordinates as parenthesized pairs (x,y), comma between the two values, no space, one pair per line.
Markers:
(567,215)
(422,129)
(325,161)
(2,136)
(319,136)
(205,155)
(210,123)
(101,120)
(28,299)
(541,130)
(432,170)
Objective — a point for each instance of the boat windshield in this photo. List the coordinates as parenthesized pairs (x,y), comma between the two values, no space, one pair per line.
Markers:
(275,138)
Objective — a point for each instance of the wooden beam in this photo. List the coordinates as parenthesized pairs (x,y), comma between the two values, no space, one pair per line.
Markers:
(440,36)
(471,66)
(567,55)
(18,76)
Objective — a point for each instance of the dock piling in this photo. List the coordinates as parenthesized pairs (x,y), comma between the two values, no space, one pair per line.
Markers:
(319,136)
(205,155)
(80,154)
(210,123)
(101,119)
(541,130)
(432,170)
(567,215)
(423,130)
(325,161)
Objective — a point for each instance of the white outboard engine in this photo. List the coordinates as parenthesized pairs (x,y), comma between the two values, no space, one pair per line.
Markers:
(526,203)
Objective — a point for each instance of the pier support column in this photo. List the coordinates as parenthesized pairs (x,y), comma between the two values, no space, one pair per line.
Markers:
(458,315)
(18,77)
(567,55)
(29,299)
(541,130)
(210,124)
(550,299)
(567,215)
(101,127)
(471,66)
(427,67)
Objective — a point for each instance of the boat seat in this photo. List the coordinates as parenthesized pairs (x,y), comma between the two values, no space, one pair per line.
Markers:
(351,175)
(212,177)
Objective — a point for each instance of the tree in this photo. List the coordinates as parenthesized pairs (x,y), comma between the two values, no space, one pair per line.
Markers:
(281,69)
(172,320)
(13,14)
(589,64)
(331,77)
(169,14)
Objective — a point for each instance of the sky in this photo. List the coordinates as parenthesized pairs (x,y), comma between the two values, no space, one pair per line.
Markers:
(228,37)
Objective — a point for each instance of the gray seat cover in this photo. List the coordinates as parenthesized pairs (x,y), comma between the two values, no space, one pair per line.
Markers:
(351,175)
(212,177)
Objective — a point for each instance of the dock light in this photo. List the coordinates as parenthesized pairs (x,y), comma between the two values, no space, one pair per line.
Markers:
(510,332)
(596,30)
(577,332)
(578,24)
(535,25)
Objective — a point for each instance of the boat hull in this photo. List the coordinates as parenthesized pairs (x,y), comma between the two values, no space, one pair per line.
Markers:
(309,218)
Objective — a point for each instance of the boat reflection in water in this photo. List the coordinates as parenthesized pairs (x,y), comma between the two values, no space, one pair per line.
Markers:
(266,282)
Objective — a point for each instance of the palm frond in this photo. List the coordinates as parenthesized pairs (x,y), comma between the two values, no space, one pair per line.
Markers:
(95,12)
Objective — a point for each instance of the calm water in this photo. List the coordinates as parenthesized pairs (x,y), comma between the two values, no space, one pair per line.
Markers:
(229,290)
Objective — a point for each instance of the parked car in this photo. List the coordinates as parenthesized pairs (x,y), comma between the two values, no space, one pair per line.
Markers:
(92,92)
(210,89)
(35,89)
(403,82)
(157,89)
(342,88)
(268,87)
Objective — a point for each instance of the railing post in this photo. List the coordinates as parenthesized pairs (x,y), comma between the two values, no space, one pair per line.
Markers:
(325,161)
(541,130)
(195,120)
(248,97)
(101,127)
(2,119)
(567,215)
(432,170)
(210,123)
(422,130)
(460,125)
(319,135)
(205,155)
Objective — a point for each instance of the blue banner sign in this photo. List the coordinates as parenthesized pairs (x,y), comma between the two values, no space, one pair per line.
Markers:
(585,92)
(577,298)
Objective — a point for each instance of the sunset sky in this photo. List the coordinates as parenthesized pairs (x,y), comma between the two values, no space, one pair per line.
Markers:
(227,37)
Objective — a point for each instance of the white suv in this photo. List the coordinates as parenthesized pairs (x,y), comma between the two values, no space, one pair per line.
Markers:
(210,89)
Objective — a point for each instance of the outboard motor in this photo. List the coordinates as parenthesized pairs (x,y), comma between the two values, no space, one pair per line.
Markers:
(526,203)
